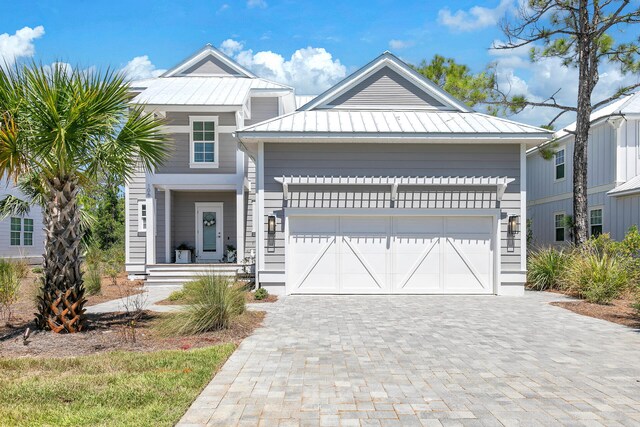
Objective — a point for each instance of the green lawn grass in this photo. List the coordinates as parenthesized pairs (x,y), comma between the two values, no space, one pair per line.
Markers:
(119,388)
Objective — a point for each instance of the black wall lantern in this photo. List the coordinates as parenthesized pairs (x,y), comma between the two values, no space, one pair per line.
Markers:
(271,225)
(512,227)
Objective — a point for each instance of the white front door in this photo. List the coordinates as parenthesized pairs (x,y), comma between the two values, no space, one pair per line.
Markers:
(391,255)
(209,232)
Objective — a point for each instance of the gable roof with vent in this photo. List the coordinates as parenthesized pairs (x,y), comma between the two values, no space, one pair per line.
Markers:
(388,100)
(208,62)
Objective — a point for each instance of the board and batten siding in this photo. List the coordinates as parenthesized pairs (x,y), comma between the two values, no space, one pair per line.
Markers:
(385,87)
(178,159)
(210,66)
(387,160)
(601,151)
(620,214)
(183,218)
(629,150)
(136,190)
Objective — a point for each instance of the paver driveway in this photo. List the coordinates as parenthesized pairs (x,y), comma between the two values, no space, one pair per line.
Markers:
(426,360)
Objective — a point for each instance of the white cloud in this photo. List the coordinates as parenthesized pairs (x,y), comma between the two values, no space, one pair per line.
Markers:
(256,3)
(139,68)
(399,44)
(19,45)
(476,18)
(231,47)
(222,8)
(310,70)
(538,80)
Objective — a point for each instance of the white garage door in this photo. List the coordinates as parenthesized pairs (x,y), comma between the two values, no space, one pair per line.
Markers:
(390,254)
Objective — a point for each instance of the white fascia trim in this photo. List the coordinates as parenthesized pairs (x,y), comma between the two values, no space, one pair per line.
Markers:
(172,180)
(184,108)
(563,196)
(397,137)
(631,192)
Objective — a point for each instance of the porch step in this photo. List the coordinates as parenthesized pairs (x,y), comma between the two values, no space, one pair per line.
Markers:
(178,274)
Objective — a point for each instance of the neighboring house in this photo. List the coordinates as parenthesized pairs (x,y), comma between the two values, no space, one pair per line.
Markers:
(22,235)
(202,196)
(386,184)
(613,177)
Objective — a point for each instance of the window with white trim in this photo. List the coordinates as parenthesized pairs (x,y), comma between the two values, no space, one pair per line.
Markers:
(595,222)
(204,141)
(142,215)
(559,227)
(559,164)
(21,232)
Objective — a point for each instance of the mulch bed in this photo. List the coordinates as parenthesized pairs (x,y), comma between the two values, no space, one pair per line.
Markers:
(619,311)
(110,291)
(110,332)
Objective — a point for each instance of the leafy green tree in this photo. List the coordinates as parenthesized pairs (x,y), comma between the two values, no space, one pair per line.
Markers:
(458,80)
(106,207)
(61,130)
(580,34)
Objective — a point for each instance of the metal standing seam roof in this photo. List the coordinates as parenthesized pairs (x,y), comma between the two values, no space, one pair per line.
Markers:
(376,122)
(199,90)
(630,187)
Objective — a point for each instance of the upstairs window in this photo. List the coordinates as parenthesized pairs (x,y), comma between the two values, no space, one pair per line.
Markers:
(559,165)
(559,227)
(204,141)
(595,222)
(21,232)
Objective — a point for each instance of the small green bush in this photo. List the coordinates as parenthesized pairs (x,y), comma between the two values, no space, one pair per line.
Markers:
(546,268)
(261,294)
(21,267)
(178,295)
(598,277)
(9,286)
(212,302)
(37,270)
(93,280)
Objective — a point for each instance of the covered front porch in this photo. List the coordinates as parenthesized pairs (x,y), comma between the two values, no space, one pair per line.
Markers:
(195,226)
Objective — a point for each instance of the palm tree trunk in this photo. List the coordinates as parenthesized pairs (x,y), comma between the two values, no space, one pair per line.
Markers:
(61,304)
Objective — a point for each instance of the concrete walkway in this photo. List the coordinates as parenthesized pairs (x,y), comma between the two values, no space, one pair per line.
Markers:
(152,294)
(426,360)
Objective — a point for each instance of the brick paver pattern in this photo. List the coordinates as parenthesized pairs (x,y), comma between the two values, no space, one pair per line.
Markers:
(426,360)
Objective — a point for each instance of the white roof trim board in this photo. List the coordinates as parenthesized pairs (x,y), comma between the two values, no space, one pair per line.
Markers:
(207,50)
(628,188)
(387,59)
(308,124)
(444,181)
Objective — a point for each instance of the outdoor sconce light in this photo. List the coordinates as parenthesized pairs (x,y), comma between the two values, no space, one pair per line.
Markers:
(271,225)
(512,228)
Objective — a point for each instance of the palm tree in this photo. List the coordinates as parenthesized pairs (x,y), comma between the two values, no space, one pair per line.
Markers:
(60,130)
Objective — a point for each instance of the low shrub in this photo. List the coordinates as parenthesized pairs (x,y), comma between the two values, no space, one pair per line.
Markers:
(176,295)
(21,267)
(37,270)
(261,294)
(9,287)
(93,280)
(212,302)
(598,277)
(546,268)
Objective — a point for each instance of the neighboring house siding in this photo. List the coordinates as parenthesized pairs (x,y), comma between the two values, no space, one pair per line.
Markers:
(183,216)
(210,66)
(178,160)
(629,166)
(601,166)
(262,108)
(385,87)
(137,240)
(620,214)
(33,253)
(390,160)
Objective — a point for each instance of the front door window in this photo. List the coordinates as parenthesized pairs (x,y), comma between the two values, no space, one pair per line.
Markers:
(209,235)
(209,247)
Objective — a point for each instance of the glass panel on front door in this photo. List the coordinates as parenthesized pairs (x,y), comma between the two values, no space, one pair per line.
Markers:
(209,235)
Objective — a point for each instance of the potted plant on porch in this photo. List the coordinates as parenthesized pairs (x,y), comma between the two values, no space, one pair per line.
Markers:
(183,254)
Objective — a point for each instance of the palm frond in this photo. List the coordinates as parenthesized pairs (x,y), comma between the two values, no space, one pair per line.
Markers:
(12,205)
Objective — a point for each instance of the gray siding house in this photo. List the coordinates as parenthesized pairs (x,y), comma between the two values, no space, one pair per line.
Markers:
(613,177)
(385,184)
(22,236)
(202,196)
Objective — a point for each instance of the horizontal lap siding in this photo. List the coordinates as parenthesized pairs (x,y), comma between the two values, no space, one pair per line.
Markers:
(183,215)
(178,159)
(35,213)
(137,240)
(389,160)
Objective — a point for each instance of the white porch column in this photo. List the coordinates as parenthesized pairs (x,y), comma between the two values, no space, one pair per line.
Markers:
(523,207)
(167,225)
(240,222)
(260,214)
(151,224)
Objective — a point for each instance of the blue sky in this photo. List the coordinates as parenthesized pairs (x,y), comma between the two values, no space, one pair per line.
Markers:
(308,44)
